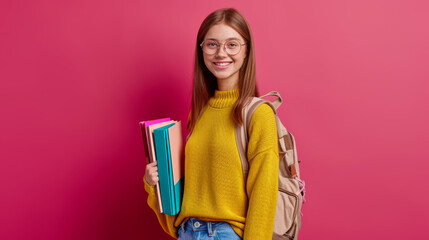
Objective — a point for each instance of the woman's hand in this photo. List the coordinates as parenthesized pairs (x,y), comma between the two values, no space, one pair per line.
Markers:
(151,174)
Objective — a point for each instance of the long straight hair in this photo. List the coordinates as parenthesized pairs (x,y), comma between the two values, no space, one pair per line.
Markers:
(205,82)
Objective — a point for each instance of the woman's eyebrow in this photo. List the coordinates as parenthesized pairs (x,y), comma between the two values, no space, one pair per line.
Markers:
(231,38)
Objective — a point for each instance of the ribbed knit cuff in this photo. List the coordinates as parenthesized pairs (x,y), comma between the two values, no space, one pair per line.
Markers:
(149,188)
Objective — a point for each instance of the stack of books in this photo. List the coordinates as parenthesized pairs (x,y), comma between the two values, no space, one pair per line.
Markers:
(163,143)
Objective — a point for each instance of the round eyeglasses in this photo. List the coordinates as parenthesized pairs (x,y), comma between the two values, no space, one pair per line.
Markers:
(231,47)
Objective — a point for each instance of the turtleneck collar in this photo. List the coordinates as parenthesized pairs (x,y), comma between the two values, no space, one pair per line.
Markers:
(224,99)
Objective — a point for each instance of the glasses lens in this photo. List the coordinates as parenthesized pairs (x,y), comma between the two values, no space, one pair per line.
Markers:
(232,47)
(210,46)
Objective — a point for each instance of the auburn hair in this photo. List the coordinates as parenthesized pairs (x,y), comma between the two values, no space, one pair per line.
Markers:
(205,82)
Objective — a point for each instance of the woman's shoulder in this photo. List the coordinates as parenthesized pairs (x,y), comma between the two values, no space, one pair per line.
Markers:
(263,120)
(262,130)
(263,112)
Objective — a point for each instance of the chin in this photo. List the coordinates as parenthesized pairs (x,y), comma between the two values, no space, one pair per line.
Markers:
(222,77)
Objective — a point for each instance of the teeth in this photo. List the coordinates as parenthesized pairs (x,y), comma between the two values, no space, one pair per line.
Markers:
(222,64)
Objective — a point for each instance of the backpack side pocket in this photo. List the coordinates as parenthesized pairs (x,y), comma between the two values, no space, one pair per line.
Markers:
(287,219)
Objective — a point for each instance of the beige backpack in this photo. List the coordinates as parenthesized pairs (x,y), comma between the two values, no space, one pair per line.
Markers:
(291,192)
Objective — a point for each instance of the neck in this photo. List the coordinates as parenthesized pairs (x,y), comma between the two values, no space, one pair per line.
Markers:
(228,83)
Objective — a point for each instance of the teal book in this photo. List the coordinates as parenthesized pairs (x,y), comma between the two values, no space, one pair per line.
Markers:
(170,156)
(177,162)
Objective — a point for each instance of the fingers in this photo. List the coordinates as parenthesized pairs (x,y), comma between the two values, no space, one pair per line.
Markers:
(151,174)
(152,164)
(155,180)
(152,179)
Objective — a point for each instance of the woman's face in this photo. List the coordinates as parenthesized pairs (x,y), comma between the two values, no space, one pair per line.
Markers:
(223,66)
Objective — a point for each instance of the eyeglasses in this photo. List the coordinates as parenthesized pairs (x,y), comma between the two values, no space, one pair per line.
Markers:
(231,47)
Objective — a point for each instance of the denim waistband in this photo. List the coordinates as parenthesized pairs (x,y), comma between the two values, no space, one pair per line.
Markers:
(200,225)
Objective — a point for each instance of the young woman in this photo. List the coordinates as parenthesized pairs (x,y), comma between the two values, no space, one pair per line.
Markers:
(217,202)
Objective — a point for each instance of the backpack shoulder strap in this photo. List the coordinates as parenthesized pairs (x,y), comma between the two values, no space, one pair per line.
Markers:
(241,132)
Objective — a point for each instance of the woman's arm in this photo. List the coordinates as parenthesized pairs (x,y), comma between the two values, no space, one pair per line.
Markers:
(262,180)
(166,221)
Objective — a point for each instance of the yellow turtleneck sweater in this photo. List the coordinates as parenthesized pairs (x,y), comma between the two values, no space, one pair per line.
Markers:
(214,187)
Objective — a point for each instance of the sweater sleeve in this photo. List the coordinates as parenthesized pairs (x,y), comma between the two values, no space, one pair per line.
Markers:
(262,180)
(166,221)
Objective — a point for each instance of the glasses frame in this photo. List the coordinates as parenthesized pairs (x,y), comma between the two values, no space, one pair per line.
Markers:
(224,48)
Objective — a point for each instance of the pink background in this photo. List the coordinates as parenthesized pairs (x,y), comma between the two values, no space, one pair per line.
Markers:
(76,77)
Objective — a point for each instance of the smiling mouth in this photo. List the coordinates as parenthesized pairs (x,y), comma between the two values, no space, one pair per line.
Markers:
(222,63)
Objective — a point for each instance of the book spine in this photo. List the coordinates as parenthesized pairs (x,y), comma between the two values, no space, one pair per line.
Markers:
(170,174)
(146,147)
(161,152)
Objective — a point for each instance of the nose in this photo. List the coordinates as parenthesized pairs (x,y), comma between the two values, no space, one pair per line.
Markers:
(221,51)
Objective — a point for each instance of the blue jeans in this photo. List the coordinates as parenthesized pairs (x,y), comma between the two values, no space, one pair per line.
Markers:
(197,229)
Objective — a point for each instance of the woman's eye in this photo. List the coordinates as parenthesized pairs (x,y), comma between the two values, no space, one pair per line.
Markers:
(212,44)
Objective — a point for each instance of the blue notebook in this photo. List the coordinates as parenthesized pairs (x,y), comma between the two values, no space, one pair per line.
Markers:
(169,153)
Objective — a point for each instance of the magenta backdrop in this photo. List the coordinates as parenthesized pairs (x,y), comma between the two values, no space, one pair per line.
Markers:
(78,76)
